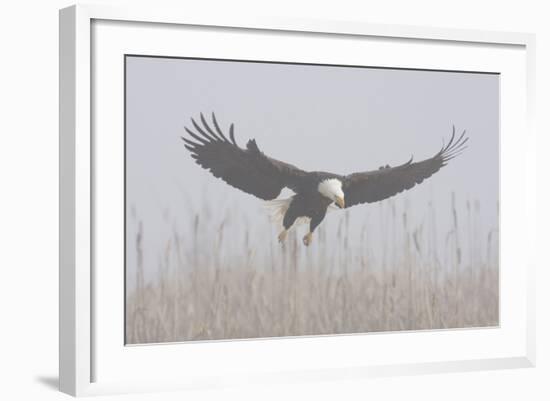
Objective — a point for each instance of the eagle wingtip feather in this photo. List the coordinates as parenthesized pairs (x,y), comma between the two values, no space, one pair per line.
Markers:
(454,148)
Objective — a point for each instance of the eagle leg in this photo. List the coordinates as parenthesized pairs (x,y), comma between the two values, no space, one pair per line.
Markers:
(282,235)
(308,238)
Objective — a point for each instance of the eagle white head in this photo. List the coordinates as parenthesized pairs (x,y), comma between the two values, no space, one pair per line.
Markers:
(332,188)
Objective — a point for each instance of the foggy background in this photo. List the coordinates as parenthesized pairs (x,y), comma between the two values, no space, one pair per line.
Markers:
(336,119)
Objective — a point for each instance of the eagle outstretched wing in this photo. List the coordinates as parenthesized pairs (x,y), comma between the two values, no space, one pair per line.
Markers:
(249,169)
(373,186)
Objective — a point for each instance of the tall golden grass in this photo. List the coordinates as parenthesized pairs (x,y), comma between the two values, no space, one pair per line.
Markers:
(414,279)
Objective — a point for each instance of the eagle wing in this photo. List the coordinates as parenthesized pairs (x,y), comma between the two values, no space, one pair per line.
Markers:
(249,169)
(373,186)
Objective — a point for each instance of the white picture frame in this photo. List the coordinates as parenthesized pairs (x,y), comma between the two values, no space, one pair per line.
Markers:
(84,349)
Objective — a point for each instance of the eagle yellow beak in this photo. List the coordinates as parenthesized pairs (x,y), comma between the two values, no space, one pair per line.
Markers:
(340,202)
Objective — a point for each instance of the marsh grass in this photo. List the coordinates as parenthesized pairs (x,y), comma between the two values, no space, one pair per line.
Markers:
(414,279)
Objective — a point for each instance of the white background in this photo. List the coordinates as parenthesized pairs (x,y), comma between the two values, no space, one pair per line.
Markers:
(28,205)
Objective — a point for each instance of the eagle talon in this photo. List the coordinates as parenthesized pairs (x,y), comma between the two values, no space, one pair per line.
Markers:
(307,239)
(282,236)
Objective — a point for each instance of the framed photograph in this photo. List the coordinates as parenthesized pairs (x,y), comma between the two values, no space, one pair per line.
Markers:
(273,200)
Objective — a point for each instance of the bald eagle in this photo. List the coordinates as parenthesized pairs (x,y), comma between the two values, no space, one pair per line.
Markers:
(255,173)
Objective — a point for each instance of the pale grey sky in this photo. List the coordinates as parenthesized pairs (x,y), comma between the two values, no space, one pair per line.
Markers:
(337,119)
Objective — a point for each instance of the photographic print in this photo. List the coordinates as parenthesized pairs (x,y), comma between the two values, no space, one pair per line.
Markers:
(273,199)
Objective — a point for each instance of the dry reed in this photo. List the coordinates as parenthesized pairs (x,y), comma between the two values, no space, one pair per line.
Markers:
(415,280)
